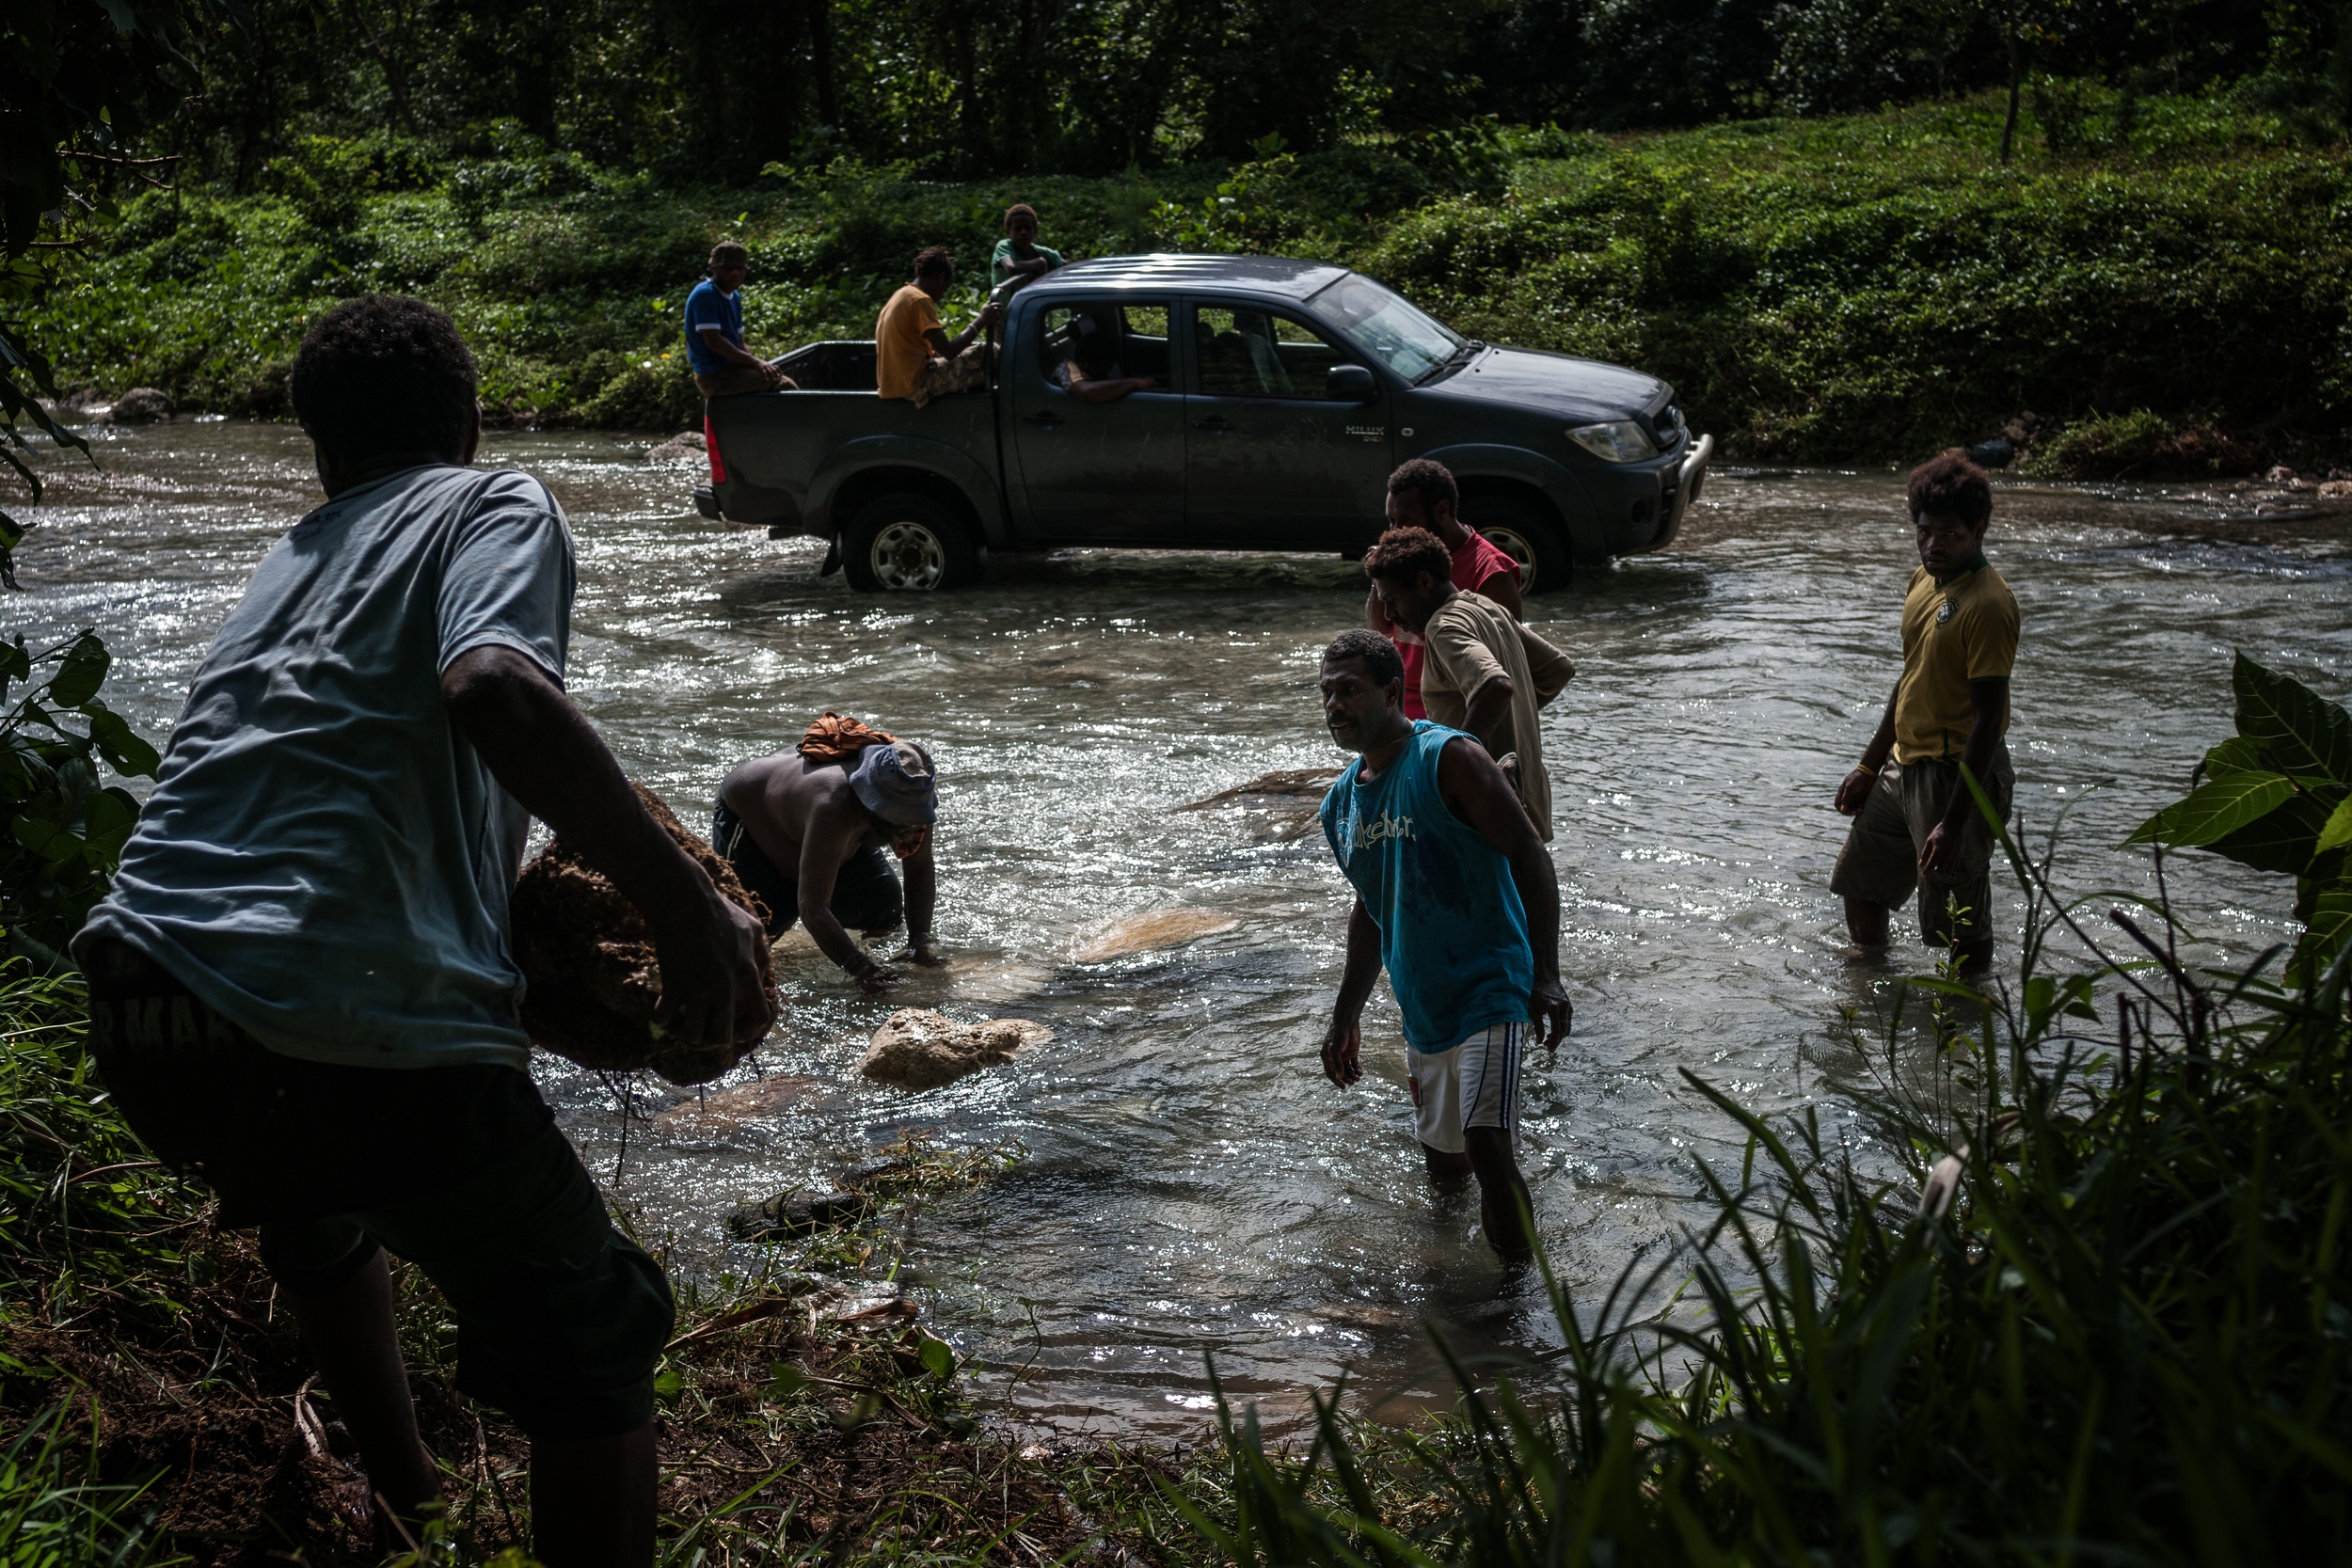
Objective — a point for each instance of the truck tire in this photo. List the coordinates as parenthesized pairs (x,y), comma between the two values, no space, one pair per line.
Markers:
(903,543)
(1527,536)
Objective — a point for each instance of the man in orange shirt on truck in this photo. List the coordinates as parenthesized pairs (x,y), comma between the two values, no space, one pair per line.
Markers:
(913,357)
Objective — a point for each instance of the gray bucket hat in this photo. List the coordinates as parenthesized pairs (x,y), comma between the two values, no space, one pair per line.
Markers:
(896,783)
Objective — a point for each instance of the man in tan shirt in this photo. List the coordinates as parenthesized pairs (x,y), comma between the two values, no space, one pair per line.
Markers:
(913,357)
(1481,671)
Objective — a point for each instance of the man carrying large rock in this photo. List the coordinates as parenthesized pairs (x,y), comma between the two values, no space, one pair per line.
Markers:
(806,829)
(302,986)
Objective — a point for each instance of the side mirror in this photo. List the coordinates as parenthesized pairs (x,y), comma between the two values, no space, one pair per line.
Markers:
(1350,384)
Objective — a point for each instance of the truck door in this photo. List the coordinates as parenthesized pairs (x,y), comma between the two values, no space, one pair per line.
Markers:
(1275,464)
(1113,470)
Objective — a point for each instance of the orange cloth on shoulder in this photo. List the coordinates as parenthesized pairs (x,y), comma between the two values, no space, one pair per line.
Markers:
(835,739)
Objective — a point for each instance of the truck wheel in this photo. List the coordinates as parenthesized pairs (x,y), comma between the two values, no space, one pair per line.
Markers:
(907,544)
(1527,537)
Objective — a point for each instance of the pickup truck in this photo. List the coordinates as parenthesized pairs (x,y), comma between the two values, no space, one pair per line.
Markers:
(1286,391)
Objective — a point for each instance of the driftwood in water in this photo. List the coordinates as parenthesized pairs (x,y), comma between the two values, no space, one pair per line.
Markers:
(588,958)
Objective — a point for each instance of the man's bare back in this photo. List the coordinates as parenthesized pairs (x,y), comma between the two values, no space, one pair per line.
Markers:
(822,844)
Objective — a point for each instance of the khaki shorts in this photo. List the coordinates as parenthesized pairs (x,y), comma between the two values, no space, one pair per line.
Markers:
(1474,1084)
(1880,864)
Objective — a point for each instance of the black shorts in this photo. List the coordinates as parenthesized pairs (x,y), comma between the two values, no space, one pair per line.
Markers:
(865,895)
(459,1170)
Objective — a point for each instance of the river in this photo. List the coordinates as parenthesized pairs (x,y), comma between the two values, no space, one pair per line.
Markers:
(1190,1184)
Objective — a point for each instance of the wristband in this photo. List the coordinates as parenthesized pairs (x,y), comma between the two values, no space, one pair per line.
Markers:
(1866,769)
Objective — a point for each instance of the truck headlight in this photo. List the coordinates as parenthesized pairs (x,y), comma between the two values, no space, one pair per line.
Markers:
(1617,441)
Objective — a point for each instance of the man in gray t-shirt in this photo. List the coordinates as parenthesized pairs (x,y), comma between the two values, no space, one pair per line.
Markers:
(301,987)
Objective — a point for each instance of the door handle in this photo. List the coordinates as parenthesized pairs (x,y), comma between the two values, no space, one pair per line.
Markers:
(1215,425)
(1044,418)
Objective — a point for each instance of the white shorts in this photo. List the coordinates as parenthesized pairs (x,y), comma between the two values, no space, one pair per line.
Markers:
(1474,1084)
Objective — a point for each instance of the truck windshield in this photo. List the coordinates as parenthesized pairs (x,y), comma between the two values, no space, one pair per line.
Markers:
(1387,324)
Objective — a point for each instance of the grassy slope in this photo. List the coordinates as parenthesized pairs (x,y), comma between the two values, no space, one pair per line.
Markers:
(1867,288)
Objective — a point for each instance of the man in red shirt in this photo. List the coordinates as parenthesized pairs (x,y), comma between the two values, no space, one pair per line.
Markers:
(1421,494)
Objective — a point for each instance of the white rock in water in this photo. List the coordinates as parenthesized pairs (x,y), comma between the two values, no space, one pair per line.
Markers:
(921,1049)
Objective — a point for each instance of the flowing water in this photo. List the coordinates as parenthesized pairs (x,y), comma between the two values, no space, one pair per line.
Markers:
(1191,1184)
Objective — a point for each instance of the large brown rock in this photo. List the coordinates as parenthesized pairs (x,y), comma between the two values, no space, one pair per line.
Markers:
(919,1049)
(141,406)
(588,957)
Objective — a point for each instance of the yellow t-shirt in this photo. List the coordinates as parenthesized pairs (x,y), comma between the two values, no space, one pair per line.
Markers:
(1953,633)
(900,348)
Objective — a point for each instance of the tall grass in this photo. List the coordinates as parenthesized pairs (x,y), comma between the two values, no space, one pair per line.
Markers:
(2112,1330)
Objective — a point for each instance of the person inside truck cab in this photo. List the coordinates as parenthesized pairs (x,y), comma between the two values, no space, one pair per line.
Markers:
(1018,258)
(913,357)
(714,331)
(1089,369)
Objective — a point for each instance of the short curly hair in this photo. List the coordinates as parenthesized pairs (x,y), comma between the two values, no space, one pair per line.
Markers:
(1378,655)
(385,374)
(1428,482)
(1020,209)
(1405,553)
(729,253)
(931,259)
(1949,485)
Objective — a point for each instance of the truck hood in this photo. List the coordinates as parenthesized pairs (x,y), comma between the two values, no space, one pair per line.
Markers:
(1574,389)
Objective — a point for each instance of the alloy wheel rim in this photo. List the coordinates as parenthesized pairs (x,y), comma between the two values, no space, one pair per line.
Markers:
(1511,542)
(908,557)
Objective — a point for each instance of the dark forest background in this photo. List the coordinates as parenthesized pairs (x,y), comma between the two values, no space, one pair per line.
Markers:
(710,91)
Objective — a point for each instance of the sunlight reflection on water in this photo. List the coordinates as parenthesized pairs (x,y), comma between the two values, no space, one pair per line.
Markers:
(1192,1184)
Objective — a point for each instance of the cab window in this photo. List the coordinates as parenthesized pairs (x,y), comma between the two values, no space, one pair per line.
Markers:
(1244,353)
(1100,339)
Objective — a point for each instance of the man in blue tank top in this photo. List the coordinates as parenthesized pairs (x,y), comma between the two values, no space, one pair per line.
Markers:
(1450,880)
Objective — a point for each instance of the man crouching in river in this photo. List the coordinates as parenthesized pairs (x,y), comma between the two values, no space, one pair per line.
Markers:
(1450,883)
(804,830)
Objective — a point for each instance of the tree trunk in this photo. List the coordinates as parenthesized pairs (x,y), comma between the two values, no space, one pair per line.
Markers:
(821,62)
(2016,79)
(395,69)
(971,110)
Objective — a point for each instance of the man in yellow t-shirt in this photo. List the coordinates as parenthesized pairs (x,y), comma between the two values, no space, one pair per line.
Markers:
(1916,824)
(913,357)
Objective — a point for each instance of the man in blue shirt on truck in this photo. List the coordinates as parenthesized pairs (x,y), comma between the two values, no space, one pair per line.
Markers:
(723,368)
(1451,884)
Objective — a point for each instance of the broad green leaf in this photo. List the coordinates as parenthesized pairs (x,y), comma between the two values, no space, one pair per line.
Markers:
(81,672)
(107,818)
(939,1358)
(2280,841)
(2301,730)
(2216,809)
(2236,754)
(52,841)
(124,751)
(2327,931)
(2339,829)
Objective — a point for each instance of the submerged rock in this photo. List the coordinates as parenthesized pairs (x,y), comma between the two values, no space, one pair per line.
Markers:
(685,447)
(1141,933)
(920,1050)
(796,1213)
(588,958)
(141,406)
(729,1110)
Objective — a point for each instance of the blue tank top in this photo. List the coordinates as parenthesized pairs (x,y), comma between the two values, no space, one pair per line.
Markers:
(1453,932)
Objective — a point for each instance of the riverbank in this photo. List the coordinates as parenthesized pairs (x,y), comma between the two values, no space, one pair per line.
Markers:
(161,1402)
(2154,288)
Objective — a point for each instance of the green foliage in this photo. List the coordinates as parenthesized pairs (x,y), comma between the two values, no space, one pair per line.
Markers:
(2278,796)
(65,829)
(51,1519)
(2111,1328)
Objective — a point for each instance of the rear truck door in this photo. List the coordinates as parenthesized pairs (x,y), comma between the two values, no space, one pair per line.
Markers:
(1110,471)
(1276,463)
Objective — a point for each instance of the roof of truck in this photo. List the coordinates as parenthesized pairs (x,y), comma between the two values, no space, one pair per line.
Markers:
(1278,275)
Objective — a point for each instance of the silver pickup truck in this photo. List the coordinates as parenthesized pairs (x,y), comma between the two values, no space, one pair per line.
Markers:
(1286,393)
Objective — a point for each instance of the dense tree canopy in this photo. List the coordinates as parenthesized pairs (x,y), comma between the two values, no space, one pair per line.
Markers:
(714,90)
